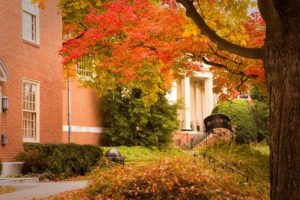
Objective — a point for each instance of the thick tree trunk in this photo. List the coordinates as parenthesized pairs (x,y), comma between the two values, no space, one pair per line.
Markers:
(282,64)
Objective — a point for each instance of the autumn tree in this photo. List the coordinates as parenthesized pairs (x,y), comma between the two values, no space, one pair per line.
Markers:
(161,35)
(129,43)
(280,54)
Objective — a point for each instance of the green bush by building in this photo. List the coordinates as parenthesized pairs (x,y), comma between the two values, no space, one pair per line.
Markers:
(129,122)
(59,160)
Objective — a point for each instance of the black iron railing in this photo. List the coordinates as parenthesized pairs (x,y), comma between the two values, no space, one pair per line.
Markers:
(218,164)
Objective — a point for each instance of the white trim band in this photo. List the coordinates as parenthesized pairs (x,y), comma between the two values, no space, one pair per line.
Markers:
(83,129)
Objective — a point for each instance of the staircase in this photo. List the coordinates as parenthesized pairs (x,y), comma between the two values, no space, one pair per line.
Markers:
(189,141)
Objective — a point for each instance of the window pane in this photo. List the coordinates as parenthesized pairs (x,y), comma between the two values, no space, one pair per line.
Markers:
(29,7)
(29,110)
(29,26)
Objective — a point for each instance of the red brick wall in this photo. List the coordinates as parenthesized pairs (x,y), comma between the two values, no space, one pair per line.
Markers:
(85,112)
(40,63)
(83,138)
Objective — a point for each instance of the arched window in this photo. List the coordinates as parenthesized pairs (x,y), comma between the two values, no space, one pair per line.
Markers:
(3,72)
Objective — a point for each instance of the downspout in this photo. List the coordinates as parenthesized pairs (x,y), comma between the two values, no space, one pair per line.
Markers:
(69,111)
(0,113)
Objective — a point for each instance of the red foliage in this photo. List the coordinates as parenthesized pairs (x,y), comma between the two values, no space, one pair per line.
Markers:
(125,35)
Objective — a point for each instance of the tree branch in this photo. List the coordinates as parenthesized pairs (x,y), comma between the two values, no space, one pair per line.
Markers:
(146,46)
(239,73)
(223,57)
(270,15)
(241,83)
(254,53)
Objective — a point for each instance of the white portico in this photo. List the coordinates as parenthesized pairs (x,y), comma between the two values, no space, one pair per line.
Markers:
(196,92)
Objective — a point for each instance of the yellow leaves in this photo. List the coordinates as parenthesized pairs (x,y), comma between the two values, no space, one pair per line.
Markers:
(41,3)
(99,3)
(190,30)
(225,31)
(243,42)
(240,37)
(253,4)
(74,11)
(79,5)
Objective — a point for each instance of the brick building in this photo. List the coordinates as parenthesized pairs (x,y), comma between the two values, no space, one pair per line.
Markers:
(81,113)
(42,106)
(30,76)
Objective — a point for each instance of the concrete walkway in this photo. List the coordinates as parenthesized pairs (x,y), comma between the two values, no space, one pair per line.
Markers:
(30,190)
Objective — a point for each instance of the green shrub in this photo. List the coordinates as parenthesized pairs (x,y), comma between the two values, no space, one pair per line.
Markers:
(59,160)
(0,167)
(261,112)
(242,120)
(129,122)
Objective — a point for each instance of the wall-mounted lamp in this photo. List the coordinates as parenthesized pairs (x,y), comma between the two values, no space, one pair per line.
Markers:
(4,103)
(4,139)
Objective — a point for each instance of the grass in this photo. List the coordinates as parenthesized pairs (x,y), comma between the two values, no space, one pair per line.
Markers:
(263,148)
(143,154)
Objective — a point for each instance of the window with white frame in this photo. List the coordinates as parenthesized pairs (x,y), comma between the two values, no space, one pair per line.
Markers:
(85,70)
(83,73)
(31,109)
(30,21)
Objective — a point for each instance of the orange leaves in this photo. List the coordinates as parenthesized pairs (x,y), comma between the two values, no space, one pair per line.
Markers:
(256,71)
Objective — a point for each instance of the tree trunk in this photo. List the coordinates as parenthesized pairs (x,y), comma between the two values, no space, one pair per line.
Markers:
(282,65)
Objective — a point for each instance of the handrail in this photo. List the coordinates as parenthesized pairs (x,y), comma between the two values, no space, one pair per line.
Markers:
(224,166)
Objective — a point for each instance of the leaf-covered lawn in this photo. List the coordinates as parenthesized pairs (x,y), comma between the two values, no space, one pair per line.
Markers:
(6,189)
(178,176)
(170,178)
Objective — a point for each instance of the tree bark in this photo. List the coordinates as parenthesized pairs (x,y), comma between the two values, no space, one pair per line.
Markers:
(282,64)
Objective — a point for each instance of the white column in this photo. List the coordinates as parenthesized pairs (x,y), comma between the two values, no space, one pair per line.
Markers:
(187,102)
(209,98)
(198,107)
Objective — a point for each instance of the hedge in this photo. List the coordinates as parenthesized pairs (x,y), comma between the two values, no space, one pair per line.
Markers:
(59,160)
